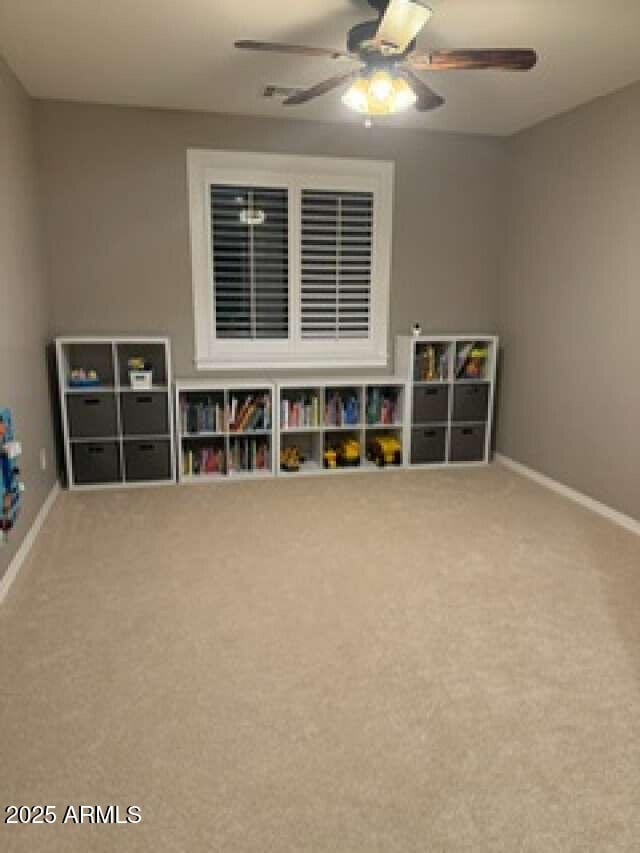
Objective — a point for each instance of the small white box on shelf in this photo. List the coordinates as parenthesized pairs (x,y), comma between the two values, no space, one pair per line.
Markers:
(141,380)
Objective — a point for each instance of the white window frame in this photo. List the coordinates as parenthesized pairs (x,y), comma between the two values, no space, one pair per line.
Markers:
(294,173)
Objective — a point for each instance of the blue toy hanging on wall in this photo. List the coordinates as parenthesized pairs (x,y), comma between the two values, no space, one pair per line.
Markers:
(11,487)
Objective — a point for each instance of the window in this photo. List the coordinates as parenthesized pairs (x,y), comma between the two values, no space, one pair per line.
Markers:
(290,260)
(336,260)
(250,251)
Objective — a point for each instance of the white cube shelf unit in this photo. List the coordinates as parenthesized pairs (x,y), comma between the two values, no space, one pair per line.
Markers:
(114,434)
(341,415)
(449,410)
(225,431)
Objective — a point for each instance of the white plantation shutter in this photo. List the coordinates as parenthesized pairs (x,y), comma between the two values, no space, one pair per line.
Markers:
(250,261)
(290,260)
(336,261)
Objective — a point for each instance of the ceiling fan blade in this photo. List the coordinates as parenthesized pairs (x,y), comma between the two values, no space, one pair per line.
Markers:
(301,49)
(402,22)
(319,89)
(427,98)
(475,60)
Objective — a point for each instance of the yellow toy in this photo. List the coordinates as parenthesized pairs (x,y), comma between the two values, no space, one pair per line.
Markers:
(385,450)
(349,452)
(330,458)
(291,459)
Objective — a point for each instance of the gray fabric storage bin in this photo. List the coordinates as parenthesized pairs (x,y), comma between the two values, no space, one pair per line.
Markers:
(92,415)
(428,445)
(467,443)
(430,404)
(144,413)
(471,402)
(96,462)
(147,460)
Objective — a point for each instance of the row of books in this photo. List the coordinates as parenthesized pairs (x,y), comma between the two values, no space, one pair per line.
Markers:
(382,407)
(432,363)
(342,409)
(202,416)
(241,414)
(203,460)
(303,412)
(251,455)
(252,413)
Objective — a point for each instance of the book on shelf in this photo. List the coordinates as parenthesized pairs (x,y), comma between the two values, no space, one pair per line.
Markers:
(303,411)
(201,415)
(250,414)
(382,407)
(462,358)
(431,363)
(251,454)
(203,460)
(342,409)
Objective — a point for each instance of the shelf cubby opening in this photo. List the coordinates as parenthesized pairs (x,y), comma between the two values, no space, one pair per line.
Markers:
(87,357)
(301,452)
(300,408)
(342,449)
(384,405)
(432,361)
(342,407)
(383,448)
(249,410)
(249,455)
(473,360)
(202,457)
(151,355)
(202,412)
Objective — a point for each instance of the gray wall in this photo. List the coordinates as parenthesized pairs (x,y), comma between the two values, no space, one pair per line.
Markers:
(537,236)
(570,301)
(23,301)
(116,213)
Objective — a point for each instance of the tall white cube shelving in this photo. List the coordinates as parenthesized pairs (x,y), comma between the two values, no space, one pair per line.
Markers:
(449,410)
(116,434)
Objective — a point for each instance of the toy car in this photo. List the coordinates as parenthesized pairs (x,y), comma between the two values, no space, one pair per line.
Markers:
(291,459)
(83,378)
(385,450)
(348,452)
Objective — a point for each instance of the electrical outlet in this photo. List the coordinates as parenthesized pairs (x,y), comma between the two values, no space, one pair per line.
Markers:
(43,459)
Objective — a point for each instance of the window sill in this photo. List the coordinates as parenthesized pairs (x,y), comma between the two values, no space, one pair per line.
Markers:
(291,364)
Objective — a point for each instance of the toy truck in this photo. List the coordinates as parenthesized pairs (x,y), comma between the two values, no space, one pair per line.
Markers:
(348,453)
(330,458)
(384,450)
(291,459)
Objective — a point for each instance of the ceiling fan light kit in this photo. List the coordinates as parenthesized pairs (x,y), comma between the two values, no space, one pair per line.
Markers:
(386,83)
(379,94)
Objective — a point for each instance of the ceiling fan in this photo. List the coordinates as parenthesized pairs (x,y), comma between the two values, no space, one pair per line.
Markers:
(386,82)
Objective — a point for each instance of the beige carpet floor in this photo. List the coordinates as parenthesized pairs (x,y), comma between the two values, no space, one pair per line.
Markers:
(414,662)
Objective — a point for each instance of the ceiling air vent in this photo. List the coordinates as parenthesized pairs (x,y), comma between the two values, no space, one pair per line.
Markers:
(279,91)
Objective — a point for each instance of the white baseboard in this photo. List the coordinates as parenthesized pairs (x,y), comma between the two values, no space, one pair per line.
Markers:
(27,543)
(605,511)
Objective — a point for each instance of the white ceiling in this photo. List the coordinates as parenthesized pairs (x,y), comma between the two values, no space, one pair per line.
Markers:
(180,54)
